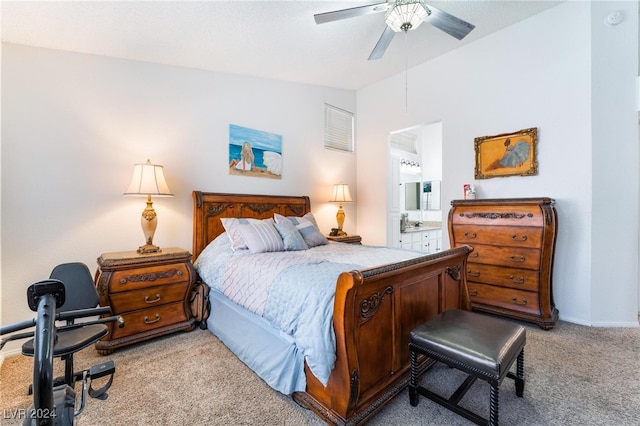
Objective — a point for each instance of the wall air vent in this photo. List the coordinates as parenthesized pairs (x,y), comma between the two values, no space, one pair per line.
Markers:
(405,142)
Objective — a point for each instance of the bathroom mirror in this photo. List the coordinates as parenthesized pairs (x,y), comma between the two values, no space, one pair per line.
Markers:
(412,192)
(431,194)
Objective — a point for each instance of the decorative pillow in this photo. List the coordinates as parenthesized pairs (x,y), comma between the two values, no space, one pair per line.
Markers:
(307,227)
(311,219)
(230,225)
(290,236)
(260,235)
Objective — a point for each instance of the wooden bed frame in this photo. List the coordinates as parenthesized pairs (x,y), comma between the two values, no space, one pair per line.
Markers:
(375,309)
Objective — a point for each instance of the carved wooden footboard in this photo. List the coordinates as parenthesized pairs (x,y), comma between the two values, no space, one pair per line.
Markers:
(374,311)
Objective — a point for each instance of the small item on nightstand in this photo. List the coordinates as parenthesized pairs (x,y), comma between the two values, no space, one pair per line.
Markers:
(349,239)
(334,232)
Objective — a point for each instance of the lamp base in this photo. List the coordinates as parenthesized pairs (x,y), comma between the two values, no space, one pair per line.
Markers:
(149,248)
(340,218)
(149,222)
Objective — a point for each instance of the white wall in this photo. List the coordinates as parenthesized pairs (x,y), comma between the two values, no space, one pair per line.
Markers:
(542,72)
(432,168)
(73,126)
(615,166)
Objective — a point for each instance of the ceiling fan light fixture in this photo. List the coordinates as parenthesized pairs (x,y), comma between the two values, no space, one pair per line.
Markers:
(406,15)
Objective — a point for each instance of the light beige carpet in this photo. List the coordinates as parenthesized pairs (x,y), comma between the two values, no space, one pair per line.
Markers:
(575,375)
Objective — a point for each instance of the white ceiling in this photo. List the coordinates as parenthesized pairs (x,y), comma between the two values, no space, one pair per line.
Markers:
(268,38)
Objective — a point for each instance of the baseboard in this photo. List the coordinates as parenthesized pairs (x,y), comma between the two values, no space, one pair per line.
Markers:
(604,324)
(578,321)
(616,324)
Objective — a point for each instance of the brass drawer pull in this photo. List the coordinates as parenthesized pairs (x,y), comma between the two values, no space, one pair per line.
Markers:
(146,319)
(516,281)
(470,235)
(473,274)
(157,299)
(473,293)
(515,300)
(515,258)
(514,237)
(475,254)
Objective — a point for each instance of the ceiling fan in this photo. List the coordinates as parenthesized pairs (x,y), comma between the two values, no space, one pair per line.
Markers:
(401,15)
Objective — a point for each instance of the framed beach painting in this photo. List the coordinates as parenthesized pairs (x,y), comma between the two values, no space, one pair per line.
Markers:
(507,154)
(254,153)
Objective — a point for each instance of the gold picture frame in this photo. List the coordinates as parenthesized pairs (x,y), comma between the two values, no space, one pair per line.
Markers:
(507,154)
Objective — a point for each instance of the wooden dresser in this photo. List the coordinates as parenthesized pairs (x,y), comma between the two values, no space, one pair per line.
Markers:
(150,291)
(510,270)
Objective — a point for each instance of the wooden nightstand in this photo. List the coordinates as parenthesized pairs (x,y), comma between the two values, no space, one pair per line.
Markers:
(150,291)
(349,239)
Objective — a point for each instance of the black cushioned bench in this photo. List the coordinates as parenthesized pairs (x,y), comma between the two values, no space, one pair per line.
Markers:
(484,347)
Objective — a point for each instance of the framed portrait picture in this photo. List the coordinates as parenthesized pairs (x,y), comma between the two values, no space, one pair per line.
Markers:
(507,154)
(254,153)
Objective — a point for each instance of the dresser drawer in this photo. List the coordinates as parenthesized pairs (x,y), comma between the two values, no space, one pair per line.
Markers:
(521,279)
(506,298)
(510,236)
(148,297)
(503,215)
(515,257)
(137,278)
(149,319)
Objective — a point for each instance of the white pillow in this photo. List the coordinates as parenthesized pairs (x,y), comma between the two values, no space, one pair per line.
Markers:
(230,225)
(260,235)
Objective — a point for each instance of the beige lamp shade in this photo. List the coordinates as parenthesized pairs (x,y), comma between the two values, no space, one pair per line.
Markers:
(340,195)
(148,179)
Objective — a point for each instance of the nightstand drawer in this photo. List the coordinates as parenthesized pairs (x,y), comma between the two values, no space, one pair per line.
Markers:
(148,319)
(137,278)
(148,297)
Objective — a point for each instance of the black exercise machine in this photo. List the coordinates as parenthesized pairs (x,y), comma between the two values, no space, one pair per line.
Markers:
(55,403)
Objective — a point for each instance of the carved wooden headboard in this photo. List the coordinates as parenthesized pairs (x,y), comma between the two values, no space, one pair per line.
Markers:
(209,207)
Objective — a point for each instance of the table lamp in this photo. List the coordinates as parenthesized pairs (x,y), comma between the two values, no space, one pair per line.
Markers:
(148,179)
(340,195)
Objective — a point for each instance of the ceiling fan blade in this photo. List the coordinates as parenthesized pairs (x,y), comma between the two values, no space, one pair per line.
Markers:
(448,23)
(382,44)
(336,15)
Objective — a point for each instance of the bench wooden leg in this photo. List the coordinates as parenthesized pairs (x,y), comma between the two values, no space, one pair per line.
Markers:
(520,374)
(413,381)
(494,405)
